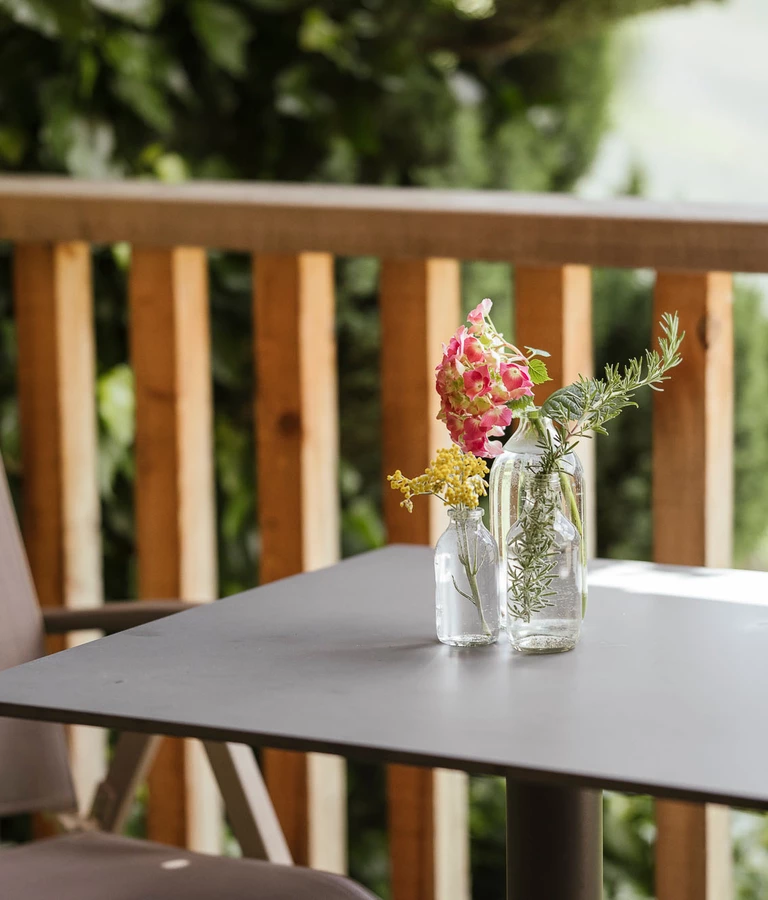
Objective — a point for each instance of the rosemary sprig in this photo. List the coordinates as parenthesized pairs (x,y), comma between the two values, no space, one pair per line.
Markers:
(577,411)
(532,556)
(583,408)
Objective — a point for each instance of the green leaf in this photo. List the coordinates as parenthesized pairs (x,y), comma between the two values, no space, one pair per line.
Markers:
(142,71)
(91,151)
(13,142)
(538,371)
(517,406)
(88,69)
(566,404)
(171,168)
(146,100)
(274,5)
(224,32)
(83,146)
(296,96)
(116,404)
(51,18)
(144,13)
(362,522)
(319,33)
(136,56)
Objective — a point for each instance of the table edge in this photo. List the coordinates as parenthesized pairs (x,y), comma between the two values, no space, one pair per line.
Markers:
(363,753)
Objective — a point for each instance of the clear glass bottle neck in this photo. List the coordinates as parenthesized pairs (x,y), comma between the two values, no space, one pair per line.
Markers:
(541,490)
(461,515)
(530,426)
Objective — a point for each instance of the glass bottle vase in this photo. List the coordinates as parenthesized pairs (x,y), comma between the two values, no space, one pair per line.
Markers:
(467,581)
(522,456)
(545,570)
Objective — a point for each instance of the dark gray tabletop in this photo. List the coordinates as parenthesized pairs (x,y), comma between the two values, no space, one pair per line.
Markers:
(665,693)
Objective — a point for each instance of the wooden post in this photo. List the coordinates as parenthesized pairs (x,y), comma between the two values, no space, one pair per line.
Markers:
(297,446)
(420,309)
(693,426)
(54,326)
(553,312)
(693,524)
(175,519)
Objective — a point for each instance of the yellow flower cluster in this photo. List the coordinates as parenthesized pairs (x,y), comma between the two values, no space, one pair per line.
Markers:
(457,478)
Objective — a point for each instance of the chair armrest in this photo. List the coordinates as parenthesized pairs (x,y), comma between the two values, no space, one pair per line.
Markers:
(116,616)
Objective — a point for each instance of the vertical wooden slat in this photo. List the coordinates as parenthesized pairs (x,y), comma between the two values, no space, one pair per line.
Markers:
(175,519)
(297,447)
(54,322)
(692,521)
(693,426)
(420,309)
(553,312)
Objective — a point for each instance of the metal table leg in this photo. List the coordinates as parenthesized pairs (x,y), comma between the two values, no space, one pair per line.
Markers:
(554,842)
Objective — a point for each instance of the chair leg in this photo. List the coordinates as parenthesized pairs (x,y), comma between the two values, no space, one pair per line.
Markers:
(132,759)
(249,807)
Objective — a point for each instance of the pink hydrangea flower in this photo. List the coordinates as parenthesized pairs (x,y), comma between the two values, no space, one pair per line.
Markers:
(478,314)
(477,382)
(472,433)
(474,350)
(496,420)
(475,439)
(516,380)
(478,376)
(455,346)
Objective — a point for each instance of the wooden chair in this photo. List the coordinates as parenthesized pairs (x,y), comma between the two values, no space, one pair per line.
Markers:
(90,861)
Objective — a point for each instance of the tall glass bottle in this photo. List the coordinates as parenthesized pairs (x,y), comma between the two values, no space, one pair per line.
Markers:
(521,456)
(546,571)
(467,581)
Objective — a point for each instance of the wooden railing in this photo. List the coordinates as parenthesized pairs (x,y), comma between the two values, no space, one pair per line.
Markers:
(293,232)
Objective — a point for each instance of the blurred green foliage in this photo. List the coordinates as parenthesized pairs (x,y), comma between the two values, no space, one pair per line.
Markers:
(473,93)
(622,329)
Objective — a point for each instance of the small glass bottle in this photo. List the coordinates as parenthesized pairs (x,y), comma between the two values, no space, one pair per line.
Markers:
(545,569)
(467,581)
(522,454)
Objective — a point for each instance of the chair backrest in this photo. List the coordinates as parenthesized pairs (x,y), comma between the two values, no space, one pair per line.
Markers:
(34,770)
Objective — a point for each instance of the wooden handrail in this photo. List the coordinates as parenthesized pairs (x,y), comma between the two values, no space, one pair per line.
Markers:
(535,229)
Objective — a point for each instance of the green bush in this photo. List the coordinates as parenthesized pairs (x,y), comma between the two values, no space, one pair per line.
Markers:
(622,329)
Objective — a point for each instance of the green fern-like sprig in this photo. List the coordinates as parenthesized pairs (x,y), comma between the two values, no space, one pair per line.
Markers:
(583,408)
(578,411)
(532,557)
